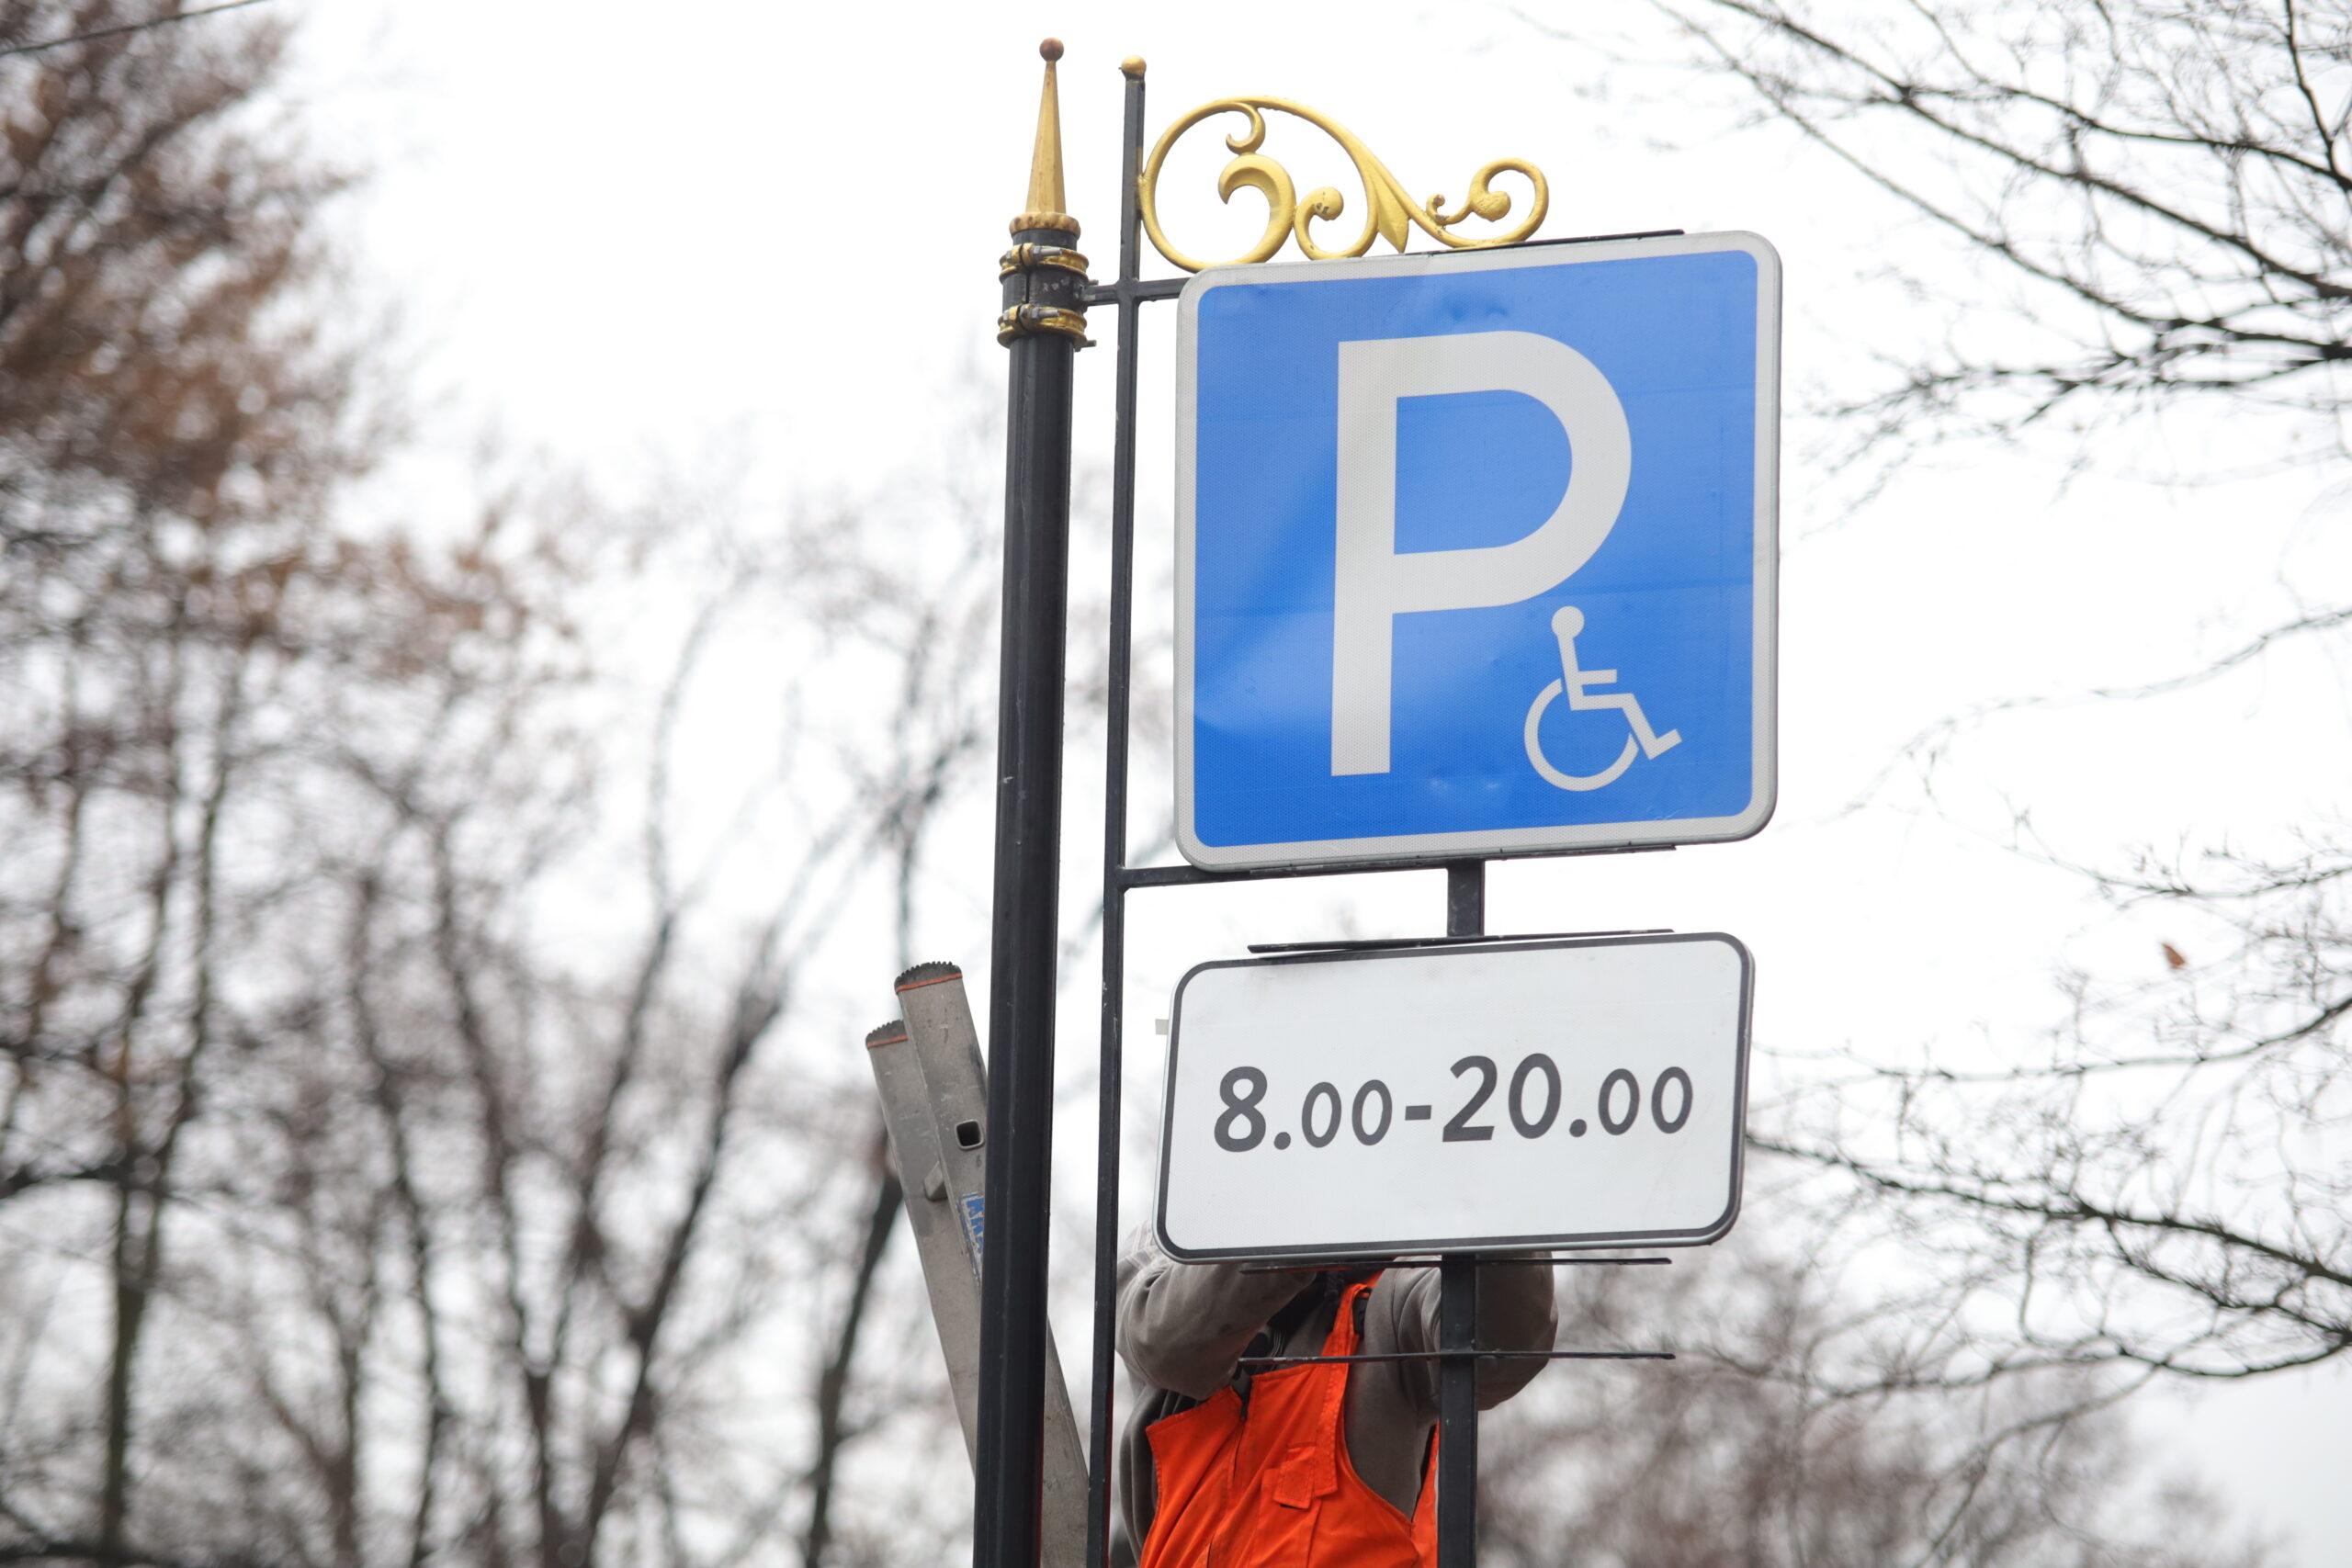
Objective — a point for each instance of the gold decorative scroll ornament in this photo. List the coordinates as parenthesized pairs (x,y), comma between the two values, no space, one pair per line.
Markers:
(1392,216)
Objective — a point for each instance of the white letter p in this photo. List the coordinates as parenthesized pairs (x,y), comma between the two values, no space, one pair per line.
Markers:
(1375,583)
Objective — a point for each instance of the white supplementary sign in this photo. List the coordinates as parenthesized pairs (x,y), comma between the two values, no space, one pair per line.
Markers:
(1543,1094)
(1476,552)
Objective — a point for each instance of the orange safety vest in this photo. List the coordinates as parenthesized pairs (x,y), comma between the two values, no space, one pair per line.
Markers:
(1266,1483)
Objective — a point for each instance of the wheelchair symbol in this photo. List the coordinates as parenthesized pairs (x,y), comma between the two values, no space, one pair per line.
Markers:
(1567,621)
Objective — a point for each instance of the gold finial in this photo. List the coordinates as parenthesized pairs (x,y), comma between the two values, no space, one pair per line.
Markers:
(1046,198)
(1131,67)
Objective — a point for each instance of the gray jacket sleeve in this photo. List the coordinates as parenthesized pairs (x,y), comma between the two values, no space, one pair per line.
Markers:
(1516,1312)
(1183,1326)
(1393,1405)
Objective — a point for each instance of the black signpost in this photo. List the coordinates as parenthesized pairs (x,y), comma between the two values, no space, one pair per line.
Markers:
(1044,324)
(1457,1320)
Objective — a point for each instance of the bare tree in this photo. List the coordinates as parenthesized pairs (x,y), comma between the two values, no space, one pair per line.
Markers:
(918,593)
(478,1223)
(166,437)
(2167,189)
(1740,1452)
(2170,184)
(907,581)
(2164,1187)
(417,1134)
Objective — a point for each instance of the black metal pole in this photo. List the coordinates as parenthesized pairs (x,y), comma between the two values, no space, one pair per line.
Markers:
(1115,842)
(1466,897)
(1457,1326)
(1044,327)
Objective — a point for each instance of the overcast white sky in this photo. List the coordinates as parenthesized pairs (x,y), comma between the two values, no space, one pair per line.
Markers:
(644,239)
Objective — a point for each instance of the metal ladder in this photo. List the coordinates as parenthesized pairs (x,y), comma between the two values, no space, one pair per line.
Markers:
(934,1100)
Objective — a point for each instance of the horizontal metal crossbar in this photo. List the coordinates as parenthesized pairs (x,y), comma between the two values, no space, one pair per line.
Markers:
(1382,944)
(1466,1356)
(1156,288)
(1483,1262)
(1141,289)
(1131,876)
(1194,876)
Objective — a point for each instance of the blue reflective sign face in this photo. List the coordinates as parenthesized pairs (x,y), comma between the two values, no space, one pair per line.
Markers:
(1476,552)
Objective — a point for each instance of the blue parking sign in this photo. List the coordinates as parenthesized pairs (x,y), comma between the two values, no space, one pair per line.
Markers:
(1476,552)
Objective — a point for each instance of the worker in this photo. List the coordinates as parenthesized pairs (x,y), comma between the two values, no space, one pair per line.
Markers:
(1312,1465)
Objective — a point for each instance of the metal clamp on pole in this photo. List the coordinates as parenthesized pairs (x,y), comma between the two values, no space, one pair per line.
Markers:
(1044,292)
(934,1100)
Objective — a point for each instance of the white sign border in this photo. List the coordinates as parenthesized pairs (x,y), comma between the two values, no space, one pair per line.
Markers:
(1703,1236)
(1497,841)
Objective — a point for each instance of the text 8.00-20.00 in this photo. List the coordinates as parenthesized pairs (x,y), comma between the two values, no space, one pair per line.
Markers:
(1532,1104)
